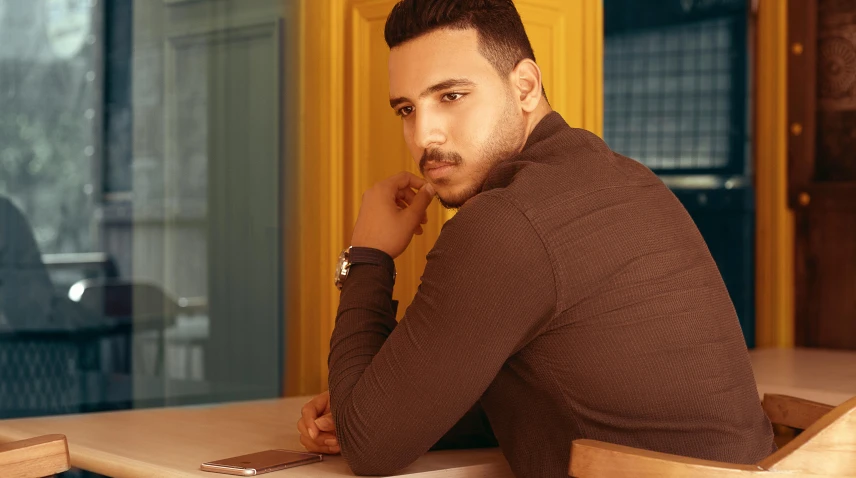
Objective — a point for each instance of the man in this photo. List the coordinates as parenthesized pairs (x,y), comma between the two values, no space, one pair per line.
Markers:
(26,291)
(570,297)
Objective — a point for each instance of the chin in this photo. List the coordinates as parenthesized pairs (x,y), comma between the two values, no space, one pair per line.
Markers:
(449,204)
(455,199)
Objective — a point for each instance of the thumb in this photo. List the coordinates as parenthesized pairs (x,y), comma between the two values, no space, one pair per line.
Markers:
(325,423)
(421,201)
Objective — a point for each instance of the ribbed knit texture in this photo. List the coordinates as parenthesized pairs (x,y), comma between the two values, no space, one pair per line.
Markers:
(572,298)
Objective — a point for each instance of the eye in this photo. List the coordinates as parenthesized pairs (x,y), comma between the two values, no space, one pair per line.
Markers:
(452,96)
(404,111)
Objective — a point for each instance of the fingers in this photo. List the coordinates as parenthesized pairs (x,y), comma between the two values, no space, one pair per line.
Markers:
(323,439)
(320,438)
(325,423)
(407,180)
(312,410)
(308,421)
(301,427)
(418,229)
(406,195)
(404,198)
(316,448)
(422,200)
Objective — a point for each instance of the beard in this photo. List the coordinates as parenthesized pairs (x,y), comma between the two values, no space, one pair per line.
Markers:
(505,141)
(451,158)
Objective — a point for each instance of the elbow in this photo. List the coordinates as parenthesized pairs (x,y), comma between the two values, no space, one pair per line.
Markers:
(370,469)
(371,448)
(374,462)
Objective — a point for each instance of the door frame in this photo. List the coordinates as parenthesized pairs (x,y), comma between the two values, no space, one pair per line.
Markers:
(774,223)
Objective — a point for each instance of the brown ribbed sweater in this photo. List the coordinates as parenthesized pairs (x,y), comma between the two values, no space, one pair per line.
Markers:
(573,297)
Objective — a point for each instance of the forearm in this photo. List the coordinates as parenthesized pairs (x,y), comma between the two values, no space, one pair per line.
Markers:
(396,391)
(365,318)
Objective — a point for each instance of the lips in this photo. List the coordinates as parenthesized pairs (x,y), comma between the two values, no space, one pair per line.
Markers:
(438,170)
(437,164)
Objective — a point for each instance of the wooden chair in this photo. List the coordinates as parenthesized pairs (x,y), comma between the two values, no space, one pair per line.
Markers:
(34,458)
(815,440)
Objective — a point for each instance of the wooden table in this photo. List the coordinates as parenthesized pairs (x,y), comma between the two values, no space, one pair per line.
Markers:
(172,442)
(826,376)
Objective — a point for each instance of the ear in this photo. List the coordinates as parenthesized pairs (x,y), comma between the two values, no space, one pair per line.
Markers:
(526,84)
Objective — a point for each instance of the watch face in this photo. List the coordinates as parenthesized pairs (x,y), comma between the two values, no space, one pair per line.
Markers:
(342,266)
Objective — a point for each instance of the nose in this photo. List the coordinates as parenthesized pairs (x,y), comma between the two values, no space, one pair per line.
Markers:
(428,131)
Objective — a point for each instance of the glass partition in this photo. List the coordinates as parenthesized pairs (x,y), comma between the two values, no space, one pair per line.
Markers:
(142,153)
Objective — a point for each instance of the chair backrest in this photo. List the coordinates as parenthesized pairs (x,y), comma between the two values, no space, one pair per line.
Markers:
(146,304)
(36,457)
(826,447)
(791,415)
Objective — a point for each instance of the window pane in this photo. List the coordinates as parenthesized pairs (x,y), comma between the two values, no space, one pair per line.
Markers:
(680,71)
(140,216)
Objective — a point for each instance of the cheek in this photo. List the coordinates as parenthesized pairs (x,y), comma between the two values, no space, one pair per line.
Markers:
(470,132)
(407,132)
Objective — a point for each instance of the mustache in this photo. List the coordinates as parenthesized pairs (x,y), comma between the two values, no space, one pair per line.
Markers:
(437,156)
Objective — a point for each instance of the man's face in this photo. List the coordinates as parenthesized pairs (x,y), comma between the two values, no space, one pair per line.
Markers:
(459,115)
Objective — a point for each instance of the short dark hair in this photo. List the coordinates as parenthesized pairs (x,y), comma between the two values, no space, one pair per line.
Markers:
(502,38)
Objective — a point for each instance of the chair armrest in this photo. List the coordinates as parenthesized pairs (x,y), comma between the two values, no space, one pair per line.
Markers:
(793,412)
(596,459)
(35,457)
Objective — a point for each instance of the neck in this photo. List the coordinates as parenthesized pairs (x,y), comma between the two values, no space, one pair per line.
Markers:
(535,117)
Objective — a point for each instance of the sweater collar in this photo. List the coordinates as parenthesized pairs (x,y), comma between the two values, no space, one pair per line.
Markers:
(502,174)
(549,126)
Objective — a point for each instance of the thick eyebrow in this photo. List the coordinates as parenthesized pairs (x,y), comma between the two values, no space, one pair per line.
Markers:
(443,85)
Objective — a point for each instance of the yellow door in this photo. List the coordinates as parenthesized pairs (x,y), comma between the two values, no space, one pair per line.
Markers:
(351,139)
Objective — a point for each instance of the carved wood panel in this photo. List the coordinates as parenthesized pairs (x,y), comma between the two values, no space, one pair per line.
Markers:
(836,91)
(822,167)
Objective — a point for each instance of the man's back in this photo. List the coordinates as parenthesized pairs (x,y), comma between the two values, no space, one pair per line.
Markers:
(572,297)
(644,347)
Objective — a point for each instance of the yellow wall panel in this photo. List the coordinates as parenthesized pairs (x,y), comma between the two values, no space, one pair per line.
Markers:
(351,139)
(376,144)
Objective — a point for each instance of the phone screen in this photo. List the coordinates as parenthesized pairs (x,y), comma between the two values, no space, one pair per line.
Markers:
(261,462)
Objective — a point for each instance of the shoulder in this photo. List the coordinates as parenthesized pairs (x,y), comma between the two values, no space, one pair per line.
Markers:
(492,222)
(489,210)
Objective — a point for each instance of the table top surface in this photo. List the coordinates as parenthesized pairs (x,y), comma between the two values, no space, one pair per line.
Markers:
(173,442)
(826,376)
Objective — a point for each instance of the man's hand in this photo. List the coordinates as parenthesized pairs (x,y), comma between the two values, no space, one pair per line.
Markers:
(316,426)
(392,211)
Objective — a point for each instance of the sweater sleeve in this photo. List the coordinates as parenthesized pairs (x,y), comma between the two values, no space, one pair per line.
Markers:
(487,289)
(473,430)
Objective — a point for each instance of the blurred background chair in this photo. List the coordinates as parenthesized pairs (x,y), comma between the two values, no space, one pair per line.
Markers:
(823,444)
(41,344)
(143,309)
(70,352)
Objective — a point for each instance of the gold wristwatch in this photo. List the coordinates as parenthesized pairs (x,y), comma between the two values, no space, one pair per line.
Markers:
(361,255)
